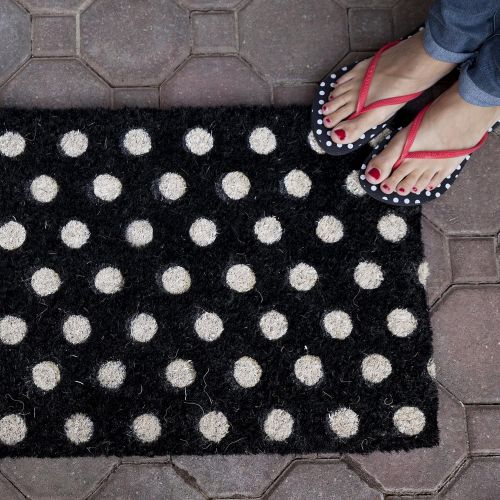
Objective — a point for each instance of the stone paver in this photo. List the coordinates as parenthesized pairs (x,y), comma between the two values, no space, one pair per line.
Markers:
(408,14)
(235,474)
(151,482)
(211,4)
(57,479)
(52,6)
(8,491)
(293,94)
(423,470)
(370,28)
(473,259)
(214,32)
(140,97)
(483,422)
(331,480)
(54,36)
(466,347)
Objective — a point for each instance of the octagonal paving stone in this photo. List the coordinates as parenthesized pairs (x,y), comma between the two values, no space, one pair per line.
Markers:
(483,423)
(57,479)
(52,6)
(472,206)
(479,481)
(211,4)
(8,491)
(331,479)
(147,482)
(408,15)
(14,38)
(465,323)
(134,43)
(423,470)
(234,475)
(293,40)
(55,83)
(214,81)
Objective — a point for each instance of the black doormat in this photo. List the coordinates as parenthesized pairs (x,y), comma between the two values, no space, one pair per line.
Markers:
(203,281)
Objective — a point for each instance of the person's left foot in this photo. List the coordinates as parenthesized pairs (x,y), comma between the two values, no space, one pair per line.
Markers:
(449,124)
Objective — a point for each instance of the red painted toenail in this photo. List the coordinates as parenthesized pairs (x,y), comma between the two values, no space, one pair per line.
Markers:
(324,108)
(385,186)
(414,189)
(330,98)
(327,120)
(401,190)
(374,172)
(431,187)
(340,133)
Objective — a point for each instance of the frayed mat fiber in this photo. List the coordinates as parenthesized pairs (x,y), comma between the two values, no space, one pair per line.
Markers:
(199,281)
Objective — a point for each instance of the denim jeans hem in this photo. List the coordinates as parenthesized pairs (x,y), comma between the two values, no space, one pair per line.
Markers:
(471,93)
(441,54)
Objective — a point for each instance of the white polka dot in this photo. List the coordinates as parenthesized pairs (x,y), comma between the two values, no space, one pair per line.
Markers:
(240,278)
(247,372)
(109,280)
(46,375)
(45,281)
(75,234)
(423,273)
(74,143)
(214,426)
(278,425)
(143,327)
(409,420)
(338,324)
(12,429)
(392,228)
(12,235)
(268,230)
(375,368)
(329,229)
(313,143)
(44,189)
(309,370)
(139,233)
(236,185)
(368,275)
(107,187)
(176,280)
(273,325)
(180,373)
(297,183)
(137,142)
(146,428)
(172,186)
(199,141)
(431,368)
(76,329)
(352,184)
(12,330)
(12,144)
(303,277)
(262,141)
(344,422)
(79,428)
(401,322)
(208,326)
(111,374)
(203,232)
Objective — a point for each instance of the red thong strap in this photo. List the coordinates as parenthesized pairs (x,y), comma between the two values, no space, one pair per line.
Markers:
(365,88)
(435,155)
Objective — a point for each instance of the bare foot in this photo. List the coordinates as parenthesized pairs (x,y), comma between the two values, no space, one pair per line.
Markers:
(403,69)
(450,123)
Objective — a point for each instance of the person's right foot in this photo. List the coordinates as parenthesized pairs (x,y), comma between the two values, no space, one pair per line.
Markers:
(403,69)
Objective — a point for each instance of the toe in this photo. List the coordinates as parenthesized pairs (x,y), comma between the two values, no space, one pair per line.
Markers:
(423,181)
(380,166)
(340,114)
(331,106)
(408,184)
(391,183)
(340,90)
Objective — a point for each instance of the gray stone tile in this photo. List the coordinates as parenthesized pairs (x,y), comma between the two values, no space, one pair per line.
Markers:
(368,3)
(423,470)
(53,6)
(214,32)
(140,97)
(370,28)
(409,14)
(54,36)
(436,255)
(55,83)
(57,479)
(473,259)
(8,491)
(294,94)
(234,475)
(147,482)
(479,481)
(465,324)
(14,38)
(327,479)
(309,38)
(214,81)
(483,422)
(211,4)
(353,57)
(459,212)
(134,43)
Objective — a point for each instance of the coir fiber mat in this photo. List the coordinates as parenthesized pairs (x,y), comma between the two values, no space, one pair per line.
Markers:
(203,281)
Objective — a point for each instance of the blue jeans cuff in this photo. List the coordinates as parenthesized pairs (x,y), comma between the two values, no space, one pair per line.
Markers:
(471,93)
(441,54)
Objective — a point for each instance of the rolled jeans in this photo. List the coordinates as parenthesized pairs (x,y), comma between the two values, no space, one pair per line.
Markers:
(467,32)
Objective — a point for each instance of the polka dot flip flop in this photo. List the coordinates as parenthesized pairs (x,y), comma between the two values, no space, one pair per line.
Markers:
(414,199)
(323,134)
